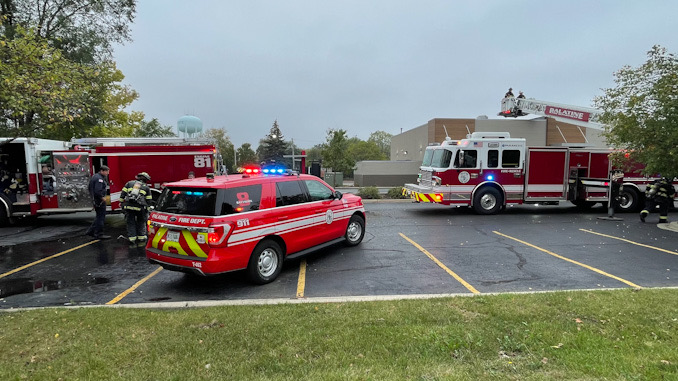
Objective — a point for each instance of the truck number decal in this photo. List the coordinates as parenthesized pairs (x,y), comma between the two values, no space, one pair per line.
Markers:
(202,161)
(244,222)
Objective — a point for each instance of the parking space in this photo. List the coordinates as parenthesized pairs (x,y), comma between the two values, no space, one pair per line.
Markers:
(409,249)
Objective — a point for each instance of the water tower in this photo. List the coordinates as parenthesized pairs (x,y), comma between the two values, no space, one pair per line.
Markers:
(189,125)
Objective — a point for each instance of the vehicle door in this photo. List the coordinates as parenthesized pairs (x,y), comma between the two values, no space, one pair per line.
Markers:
(328,212)
(294,215)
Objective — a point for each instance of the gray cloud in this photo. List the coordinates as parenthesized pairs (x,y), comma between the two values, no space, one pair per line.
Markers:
(365,66)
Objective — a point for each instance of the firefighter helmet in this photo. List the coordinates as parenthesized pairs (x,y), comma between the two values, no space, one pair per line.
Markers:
(144,176)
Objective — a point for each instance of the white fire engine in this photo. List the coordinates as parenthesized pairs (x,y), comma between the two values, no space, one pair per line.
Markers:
(489,170)
(41,176)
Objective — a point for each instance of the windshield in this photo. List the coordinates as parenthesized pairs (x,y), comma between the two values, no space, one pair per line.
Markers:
(441,158)
(428,155)
(196,202)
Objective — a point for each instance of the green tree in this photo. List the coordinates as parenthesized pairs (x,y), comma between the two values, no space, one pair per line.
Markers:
(383,140)
(273,146)
(224,146)
(641,112)
(153,129)
(39,88)
(246,155)
(365,150)
(84,30)
(335,152)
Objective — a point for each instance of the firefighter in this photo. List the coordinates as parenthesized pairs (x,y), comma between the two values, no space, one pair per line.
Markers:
(509,93)
(97,189)
(136,202)
(658,194)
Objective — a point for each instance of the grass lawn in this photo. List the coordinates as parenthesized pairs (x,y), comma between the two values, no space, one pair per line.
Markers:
(586,335)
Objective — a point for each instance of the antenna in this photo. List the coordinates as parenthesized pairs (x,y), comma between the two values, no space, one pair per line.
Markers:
(447,137)
(467,130)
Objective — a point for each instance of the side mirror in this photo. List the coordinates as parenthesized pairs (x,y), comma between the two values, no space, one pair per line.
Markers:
(338,195)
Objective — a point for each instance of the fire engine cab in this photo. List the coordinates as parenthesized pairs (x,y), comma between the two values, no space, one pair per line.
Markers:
(41,176)
(489,170)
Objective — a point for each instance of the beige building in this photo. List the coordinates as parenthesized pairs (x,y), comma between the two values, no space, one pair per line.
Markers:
(407,148)
(538,131)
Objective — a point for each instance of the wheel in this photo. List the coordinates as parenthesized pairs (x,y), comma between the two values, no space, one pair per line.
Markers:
(265,262)
(629,200)
(487,201)
(355,230)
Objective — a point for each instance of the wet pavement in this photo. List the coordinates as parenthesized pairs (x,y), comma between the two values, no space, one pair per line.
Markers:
(409,249)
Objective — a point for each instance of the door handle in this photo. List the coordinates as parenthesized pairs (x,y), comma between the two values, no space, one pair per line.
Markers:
(283,218)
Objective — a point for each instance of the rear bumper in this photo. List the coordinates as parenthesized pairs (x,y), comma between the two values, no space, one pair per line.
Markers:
(214,264)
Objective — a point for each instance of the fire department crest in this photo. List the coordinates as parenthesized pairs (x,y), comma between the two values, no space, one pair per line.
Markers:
(329,216)
(464,177)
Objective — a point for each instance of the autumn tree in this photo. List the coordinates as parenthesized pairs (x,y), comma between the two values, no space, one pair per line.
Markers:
(641,112)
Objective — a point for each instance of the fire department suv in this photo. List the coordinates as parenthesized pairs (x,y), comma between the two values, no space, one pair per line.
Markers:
(41,176)
(489,170)
(213,225)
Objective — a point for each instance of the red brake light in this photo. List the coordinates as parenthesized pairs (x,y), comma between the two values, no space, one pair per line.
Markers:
(217,234)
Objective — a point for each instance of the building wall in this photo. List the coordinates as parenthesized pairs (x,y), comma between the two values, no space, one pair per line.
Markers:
(385,173)
(532,130)
(410,144)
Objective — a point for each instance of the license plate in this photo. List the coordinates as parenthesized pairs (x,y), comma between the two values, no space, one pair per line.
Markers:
(173,236)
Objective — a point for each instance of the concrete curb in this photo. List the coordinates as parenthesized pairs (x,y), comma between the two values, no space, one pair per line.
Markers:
(319,300)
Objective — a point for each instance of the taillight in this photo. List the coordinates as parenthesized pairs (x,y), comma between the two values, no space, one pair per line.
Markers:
(217,234)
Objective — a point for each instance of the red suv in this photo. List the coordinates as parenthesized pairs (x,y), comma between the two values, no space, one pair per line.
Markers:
(219,224)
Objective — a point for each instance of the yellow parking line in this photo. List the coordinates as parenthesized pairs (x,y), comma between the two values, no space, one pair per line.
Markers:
(626,240)
(46,259)
(137,284)
(434,259)
(570,260)
(301,283)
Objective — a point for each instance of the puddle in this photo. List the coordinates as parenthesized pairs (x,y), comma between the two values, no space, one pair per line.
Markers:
(17,286)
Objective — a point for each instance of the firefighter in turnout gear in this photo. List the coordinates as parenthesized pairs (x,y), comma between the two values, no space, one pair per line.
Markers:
(136,202)
(658,194)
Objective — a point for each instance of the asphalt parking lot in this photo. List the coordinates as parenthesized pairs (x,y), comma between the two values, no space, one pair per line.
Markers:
(410,250)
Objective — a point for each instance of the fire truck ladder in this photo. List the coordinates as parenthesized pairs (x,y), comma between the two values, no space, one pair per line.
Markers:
(582,116)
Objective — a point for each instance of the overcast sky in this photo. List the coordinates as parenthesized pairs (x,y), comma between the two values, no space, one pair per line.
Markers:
(368,65)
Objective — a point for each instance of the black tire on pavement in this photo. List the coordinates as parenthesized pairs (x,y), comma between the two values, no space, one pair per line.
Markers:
(265,262)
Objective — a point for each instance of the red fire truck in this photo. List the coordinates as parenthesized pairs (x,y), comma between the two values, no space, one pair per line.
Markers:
(489,170)
(41,176)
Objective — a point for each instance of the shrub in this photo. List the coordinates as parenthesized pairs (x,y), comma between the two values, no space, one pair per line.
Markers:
(395,193)
(369,192)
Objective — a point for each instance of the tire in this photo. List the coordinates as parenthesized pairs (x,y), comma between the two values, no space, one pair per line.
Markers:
(488,200)
(629,200)
(355,231)
(265,262)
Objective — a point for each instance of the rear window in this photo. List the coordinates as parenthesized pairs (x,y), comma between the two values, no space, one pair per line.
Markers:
(196,202)
(241,199)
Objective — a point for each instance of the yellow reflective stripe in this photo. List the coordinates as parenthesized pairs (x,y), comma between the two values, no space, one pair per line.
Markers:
(176,245)
(158,237)
(195,248)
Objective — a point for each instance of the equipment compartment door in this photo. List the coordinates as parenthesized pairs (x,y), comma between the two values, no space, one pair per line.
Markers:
(72,179)
(546,178)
